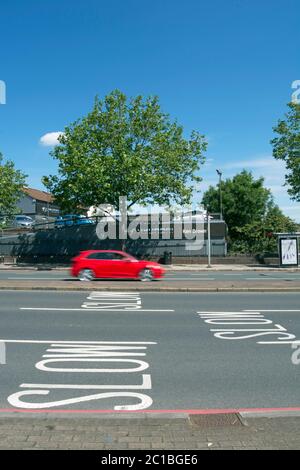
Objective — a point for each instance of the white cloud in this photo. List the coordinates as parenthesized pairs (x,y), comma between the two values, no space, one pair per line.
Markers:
(272,170)
(50,139)
(264,162)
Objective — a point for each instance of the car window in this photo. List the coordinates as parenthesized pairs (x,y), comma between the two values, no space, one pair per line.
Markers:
(23,218)
(100,256)
(106,256)
(117,256)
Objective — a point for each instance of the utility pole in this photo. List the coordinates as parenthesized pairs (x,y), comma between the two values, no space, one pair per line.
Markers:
(208,241)
(220,191)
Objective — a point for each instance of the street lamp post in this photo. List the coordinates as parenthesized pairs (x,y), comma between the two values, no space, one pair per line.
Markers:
(208,241)
(220,191)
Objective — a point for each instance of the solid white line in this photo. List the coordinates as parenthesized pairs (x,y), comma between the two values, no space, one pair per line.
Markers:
(199,274)
(194,279)
(63,278)
(232,274)
(50,309)
(265,279)
(273,310)
(296,341)
(35,278)
(33,341)
(225,311)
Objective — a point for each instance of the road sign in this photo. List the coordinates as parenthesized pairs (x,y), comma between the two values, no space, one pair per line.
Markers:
(288,251)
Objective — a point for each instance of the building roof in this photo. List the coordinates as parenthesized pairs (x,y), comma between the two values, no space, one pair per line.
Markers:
(38,195)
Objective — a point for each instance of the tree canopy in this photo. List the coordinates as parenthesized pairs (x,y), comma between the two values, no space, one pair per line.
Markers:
(125,147)
(244,199)
(286,147)
(250,213)
(11,183)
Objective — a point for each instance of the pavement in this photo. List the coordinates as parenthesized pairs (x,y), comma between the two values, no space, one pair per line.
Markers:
(149,432)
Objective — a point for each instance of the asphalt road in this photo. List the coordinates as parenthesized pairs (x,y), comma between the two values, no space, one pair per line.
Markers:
(148,351)
(170,277)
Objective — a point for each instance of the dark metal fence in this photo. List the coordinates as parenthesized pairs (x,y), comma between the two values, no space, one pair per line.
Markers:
(51,241)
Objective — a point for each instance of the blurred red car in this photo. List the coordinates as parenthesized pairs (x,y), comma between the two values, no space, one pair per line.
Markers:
(109,264)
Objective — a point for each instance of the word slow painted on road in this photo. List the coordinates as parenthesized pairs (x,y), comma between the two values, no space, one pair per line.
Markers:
(296,354)
(113,300)
(245,325)
(2,353)
(75,357)
(105,302)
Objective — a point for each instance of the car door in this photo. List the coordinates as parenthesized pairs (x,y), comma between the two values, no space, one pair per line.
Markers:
(122,266)
(99,263)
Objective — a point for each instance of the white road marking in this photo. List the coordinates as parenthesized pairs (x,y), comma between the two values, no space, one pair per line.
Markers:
(218,312)
(88,352)
(24,278)
(242,319)
(266,278)
(88,347)
(49,309)
(15,401)
(141,365)
(194,279)
(145,385)
(56,342)
(273,310)
(198,274)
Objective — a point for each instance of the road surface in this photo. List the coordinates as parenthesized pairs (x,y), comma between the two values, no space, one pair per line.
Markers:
(170,277)
(148,351)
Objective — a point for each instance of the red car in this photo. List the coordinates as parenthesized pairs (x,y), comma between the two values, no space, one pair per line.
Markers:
(93,264)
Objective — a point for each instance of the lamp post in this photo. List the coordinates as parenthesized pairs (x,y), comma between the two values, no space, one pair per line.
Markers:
(208,241)
(220,191)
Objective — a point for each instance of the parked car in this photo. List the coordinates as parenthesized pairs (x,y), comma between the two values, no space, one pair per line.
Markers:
(22,221)
(83,220)
(93,264)
(72,219)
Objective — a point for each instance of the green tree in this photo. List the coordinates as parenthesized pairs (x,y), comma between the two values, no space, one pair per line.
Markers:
(11,183)
(244,199)
(286,147)
(125,147)
(250,213)
(258,237)
(276,221)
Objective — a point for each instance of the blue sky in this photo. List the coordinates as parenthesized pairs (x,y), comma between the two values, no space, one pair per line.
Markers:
(223,67)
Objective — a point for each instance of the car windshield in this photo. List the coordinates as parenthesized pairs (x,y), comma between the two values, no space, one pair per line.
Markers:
(23,219)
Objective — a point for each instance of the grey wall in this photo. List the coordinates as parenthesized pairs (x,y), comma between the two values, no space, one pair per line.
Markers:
(26,205)
(67,242)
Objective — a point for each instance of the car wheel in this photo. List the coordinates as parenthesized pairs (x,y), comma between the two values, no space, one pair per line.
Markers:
(86,275)
(146,275)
